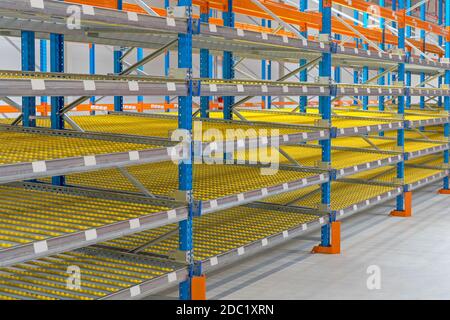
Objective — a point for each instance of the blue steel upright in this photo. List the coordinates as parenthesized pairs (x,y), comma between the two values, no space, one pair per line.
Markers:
(205,66)
(365,72)
(167,57)
(441,43)
(43,61)
(228,62)
(28,64)
(446,187)
(325,111)
(57,65)
(263,70)
(118,66)
(381,81)
(408,73)
(401,100)
(92,67)
(185,168)
(304,73)
(422,39)
(139,57)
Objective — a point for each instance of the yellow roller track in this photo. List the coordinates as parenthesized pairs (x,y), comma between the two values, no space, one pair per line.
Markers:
(26,147)
(389,174)
(343,195)
(161,126)
(220,232)
(209,182)
(302,119)
(29,215)
(46,278)
(311,156)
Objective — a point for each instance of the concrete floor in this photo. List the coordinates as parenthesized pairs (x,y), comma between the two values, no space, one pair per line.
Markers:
(411,254)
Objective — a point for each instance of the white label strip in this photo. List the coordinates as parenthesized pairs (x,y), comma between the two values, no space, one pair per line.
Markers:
(39,4)
(132,16)
(89,85)
(285,234)
(240,88)
(285,39)
(90,234)
(90,161)
(135,291)
(213,204)
(214,261)
(264,36)
(241,251)
(264,242)
(171,277)
(240,197)
(135,224)
(264,89)
(171,86)
(304,226)
(240,32)
(88,10)
(171,22)
(213,87)
(39,166)
(133,85)
(212,28)
(40,246)
(134,155)
(285,89)
(172,214)
(37,84)
(264,192)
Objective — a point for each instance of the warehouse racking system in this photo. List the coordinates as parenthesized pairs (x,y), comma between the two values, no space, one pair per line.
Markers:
(101,191)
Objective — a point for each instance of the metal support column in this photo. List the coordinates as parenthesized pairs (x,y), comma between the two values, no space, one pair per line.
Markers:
(57,66)
(44,68)
(423,16)
(446,187)
(303,103)
(118,66)
(228,62)
(401,99)
(382,81)
(325,111)
(28,64)
(365,72)
(441,43)
(92,69)
(205,67)
(185,166)
(269,71)
(139,57)
(167,59)
(408,73)
(263,72)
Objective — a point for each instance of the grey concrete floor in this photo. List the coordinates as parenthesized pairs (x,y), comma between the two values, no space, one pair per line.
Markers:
(412,256)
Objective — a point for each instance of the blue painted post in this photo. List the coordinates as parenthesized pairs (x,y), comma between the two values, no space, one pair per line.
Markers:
(423,16)
(401,99)
(92,68)
(28,64)
(185,167)
(118,66)
(269,71)
(139,57)
(382,81)
(446,187)
(228,62)
(43,61)
(57,65)
(325,110)
(365,73)
(205,66)
(167,58)
(408,73)
(356,72)
(441,42)
(304,73)
(263,71)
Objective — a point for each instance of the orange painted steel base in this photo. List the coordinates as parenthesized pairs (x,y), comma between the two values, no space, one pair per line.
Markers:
(335,247)
(408,207)
(198,288)
(444,191)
